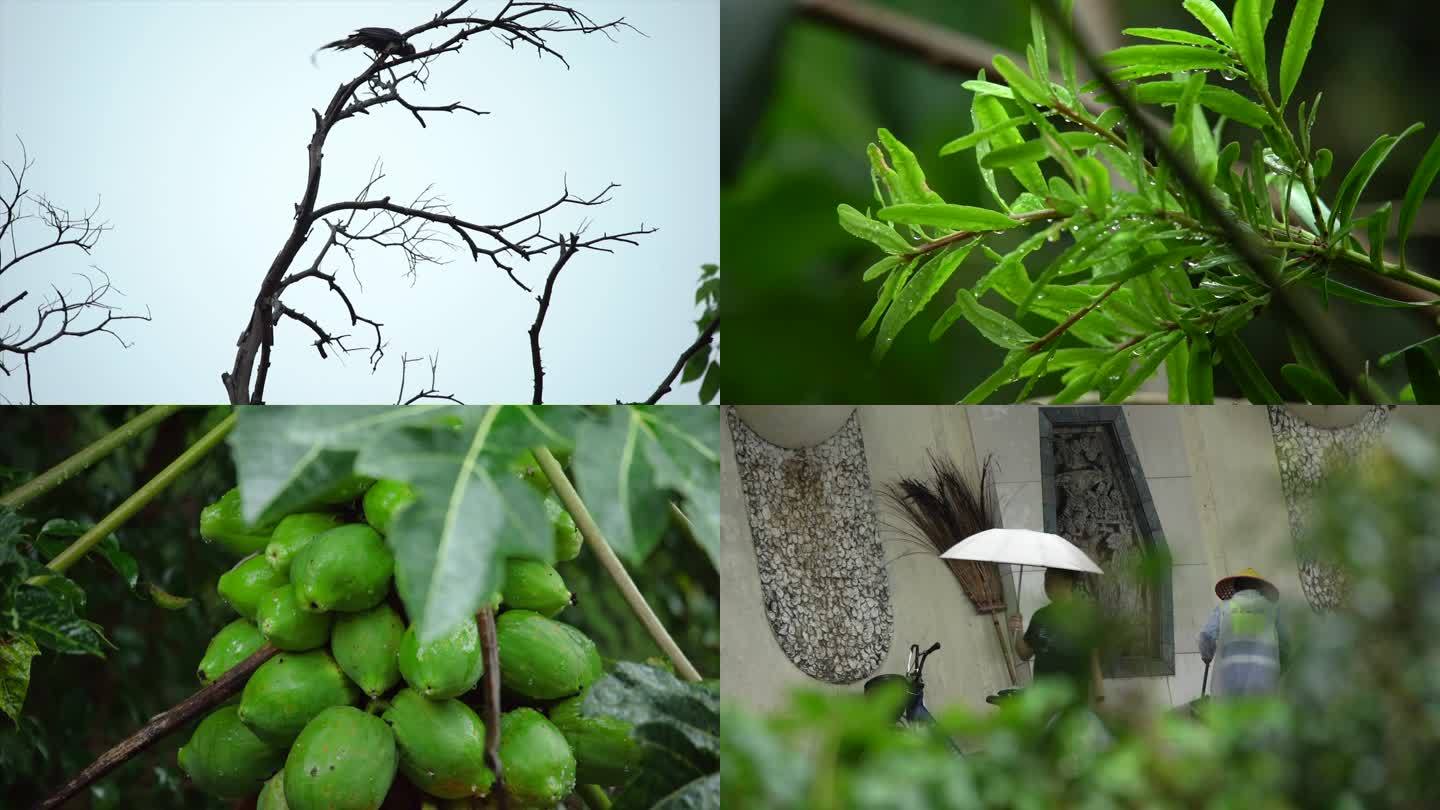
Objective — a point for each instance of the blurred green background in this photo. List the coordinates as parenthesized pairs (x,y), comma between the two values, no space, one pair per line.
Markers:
(80,706)
(802,98)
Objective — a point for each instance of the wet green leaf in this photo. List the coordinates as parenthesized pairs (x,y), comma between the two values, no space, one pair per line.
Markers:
(951,217)
(1297,45)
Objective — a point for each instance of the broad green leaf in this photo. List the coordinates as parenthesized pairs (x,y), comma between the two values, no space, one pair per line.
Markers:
(1150,359)
(882,236)
(996,328)
(1212,18)
(470,509)
(883,301)
(1360,174)
(631,463)
(1169,58)
(970,141)
(1245,372)
(1415,195)
(49,614)
(1173,35)
(710,387)
(881,267)
(1228,103)
(695,366)
(1312,387)
(1024,86)
(911,300)
(952,217)
(912,187)
(1424,376)
(1201,386)
(1249,24)
(678,726)
(1297,45)
(1386,360)
(16,650)
(1002,376)
(286,457)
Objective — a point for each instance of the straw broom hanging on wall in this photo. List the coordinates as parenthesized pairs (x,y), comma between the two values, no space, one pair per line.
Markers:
(944,509)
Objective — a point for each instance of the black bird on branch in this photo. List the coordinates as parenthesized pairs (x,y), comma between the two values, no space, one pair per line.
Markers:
(383,41)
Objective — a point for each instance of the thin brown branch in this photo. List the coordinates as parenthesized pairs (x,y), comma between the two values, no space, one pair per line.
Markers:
(567,249)
(707,336)
(427,393)
(160,725)
(490,686)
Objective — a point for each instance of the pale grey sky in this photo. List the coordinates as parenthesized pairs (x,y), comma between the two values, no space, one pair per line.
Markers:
(189,121)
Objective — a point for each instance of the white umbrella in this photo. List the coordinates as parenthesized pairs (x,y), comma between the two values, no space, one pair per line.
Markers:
(1022,547)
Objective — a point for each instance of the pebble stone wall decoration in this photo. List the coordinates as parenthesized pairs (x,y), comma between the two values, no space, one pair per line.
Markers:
(822,573)
(1305,453)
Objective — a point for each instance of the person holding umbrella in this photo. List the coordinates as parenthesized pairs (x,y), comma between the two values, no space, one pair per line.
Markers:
(1244,636)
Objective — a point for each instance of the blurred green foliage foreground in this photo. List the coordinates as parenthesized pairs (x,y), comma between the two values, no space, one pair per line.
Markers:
(1357,723)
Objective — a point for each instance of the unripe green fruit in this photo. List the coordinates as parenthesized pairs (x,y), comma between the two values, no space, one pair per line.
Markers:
(384,500)
(226,759)
(344,492)
(293,533)
(347,568)
(344,760)
(289,690)
(533,585)
(273,796)
(544,659)
(539,766)
(367,647)
(441,745)
(447,667)
(220,522)
(234,643)
(288,627)
(568,539)
(243,585)
(605,753)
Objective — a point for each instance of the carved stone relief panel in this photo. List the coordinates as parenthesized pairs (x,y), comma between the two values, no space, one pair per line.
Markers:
(822,573)
(1096,497)
(1305,453)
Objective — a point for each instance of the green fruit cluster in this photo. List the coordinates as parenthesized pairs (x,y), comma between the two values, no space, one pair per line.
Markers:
(354,698)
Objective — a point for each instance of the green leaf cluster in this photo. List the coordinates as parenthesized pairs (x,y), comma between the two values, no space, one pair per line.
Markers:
(1140,276)
(706,362)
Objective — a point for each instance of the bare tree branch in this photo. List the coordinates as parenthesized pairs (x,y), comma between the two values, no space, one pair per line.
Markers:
(417,228)
(567,249)
(707,336)
(60,313)
(427,393)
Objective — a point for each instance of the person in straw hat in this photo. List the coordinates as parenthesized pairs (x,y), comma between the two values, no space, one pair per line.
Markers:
(1243,636)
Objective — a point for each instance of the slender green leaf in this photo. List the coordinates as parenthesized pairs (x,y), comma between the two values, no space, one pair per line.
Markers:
(1228,103)
(1415,195)
(1097,183)
(1424,376)
(996,328)
(1212,18)
(1150,264)
(1386,360)
(1002,376)
(1249,21)
(1173,35)
(1297,45)
(1311,386)
(883,301)
(970,141)
(1177,372)
(1360,174)
(1170,58)
(1038,52)
(987,111)
(1153,355)
(1201,386)
(1379,225)
(945,215)
(983,88)
(1026,87)
(1245,372)
(881,235)
(911,300)
(912,185)
(1330,286)
(880,268)
(1031,152)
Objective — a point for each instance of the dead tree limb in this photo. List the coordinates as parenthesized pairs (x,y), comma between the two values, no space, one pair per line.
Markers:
(417,228)
(706,338)
(490,686)
(161,725)
(60,312)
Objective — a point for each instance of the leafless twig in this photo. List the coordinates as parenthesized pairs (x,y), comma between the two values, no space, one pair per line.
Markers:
(707,336)
(427,393)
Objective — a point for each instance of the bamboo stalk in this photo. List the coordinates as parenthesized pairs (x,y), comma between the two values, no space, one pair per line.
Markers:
(80,461)
(142,496)
(611,563)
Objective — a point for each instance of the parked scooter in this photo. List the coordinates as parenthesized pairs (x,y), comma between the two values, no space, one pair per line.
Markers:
(913,712)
